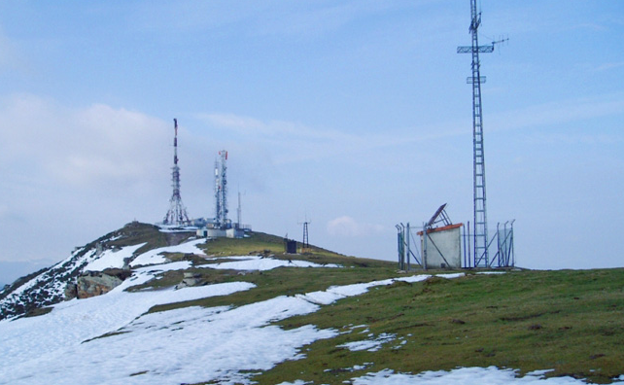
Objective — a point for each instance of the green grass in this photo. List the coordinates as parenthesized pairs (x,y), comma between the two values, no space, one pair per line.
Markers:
(276,282)
(272,283)
(135,232)
(569,321)
(266,244)
(256,243)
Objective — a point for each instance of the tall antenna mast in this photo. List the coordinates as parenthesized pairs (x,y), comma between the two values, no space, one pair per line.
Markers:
(221,210)
(176,215)
(480,211)
(239,212)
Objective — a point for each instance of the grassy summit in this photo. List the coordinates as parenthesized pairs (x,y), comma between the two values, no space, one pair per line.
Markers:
(567,321)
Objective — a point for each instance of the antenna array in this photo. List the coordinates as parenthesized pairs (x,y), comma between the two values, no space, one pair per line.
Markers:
(176,216)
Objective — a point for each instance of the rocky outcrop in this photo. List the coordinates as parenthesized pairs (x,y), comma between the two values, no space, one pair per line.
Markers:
(94,283)
(71,291)
(189,280)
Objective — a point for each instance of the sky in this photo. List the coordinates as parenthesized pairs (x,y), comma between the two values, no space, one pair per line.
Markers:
(352,114)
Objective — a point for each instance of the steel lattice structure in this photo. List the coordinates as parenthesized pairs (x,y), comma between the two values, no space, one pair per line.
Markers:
(221,209)
(480,242)
(305,244)
(176,216)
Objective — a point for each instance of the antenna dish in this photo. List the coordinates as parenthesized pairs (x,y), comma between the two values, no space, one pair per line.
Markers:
(439,216)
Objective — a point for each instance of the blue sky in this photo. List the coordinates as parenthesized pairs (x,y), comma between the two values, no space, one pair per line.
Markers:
(354,114)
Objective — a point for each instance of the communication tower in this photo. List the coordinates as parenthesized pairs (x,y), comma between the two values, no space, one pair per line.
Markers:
(305,245)
(176,216)
(221,210)
(480,242)
(239,213)
(305,242)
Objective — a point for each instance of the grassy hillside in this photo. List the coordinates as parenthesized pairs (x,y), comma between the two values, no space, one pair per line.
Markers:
(259,243)
(271,283)
(568,321)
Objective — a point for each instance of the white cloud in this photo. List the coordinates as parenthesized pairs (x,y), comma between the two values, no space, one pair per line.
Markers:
(77,172)
(609,66)
(274,128)
(566,111)
(94,145)
(346,226)
(292,142)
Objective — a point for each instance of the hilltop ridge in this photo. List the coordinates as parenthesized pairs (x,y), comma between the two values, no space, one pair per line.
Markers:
(232,311)
(47,286)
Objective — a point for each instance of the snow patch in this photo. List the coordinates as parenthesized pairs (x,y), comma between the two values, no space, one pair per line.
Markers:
(155,256)
(112,258)
(371,345)
(463,376)
(194,344)
(262,263)
(451,275)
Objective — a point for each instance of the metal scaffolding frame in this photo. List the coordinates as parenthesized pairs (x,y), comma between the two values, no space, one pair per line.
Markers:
(500,246)
(503,255)
(405,241)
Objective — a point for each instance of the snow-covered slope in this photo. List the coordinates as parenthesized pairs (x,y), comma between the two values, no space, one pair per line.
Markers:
(115,339)
(111,339)
(47,286)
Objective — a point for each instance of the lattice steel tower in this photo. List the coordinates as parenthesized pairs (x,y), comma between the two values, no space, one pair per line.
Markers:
(221,209)
(176,216)
(305,244)
(480,242)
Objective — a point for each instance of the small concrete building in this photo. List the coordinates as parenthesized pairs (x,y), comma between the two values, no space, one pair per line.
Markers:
(442,247)
(220,233)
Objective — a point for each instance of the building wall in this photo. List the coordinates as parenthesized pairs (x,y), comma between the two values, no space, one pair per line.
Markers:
(220,233)
(448,241)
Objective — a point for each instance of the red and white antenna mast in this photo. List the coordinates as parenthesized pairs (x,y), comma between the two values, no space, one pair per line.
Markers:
(221,210)
(176,216)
